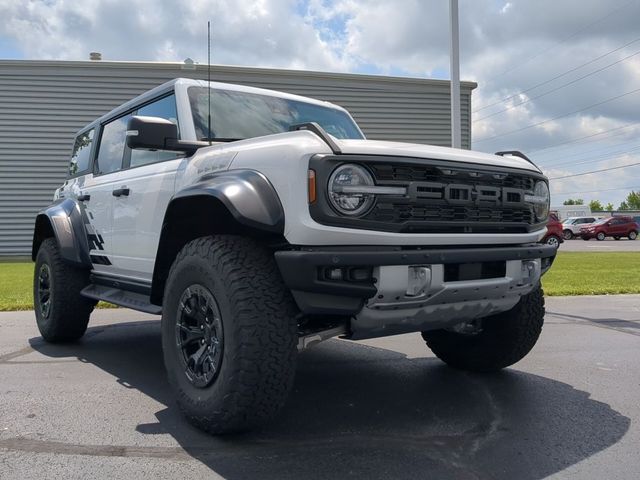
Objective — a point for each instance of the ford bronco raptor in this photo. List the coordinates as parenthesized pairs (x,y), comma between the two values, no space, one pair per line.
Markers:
(258,223)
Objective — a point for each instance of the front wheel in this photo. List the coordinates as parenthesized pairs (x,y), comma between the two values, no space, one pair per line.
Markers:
(499,340)
(553,240)
(633,235)
(228,334)
(600,236)
(567,234)
(62,314)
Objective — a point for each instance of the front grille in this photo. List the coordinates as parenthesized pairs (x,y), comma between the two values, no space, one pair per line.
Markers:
(441,196)
(476,201)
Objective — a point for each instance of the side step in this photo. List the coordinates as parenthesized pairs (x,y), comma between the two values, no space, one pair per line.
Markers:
(123,298)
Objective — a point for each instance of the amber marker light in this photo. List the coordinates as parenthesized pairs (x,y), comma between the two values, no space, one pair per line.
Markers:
(312,186)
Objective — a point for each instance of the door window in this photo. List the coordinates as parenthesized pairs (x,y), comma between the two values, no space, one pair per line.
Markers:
(163,108)
(112,143)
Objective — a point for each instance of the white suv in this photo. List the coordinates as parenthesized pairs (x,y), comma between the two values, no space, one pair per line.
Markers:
(258,223)
(571,226)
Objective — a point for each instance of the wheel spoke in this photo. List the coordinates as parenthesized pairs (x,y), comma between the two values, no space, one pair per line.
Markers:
(190,334)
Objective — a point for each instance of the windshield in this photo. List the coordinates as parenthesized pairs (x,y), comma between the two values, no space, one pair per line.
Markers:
(569,221)
(239,115)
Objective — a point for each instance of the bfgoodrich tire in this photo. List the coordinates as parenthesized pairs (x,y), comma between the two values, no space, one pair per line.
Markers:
(62,314)
(503,340)
(229,334)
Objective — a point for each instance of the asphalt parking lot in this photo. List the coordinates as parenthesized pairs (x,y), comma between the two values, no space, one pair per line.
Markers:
(386,408)
(606,245)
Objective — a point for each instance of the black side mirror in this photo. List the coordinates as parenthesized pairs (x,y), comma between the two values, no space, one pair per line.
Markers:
(154,133)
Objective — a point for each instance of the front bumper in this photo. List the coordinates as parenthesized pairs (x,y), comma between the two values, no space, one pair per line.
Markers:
(459,284)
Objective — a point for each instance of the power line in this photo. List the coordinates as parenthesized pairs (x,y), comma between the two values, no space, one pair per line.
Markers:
(556,77)
(574,34)
(600,153)
(597,157)
(596,171)
(600,190)
(510,107)
(567,142)
(558,117)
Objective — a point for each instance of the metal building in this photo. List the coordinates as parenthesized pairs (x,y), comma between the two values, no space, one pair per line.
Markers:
(43,103)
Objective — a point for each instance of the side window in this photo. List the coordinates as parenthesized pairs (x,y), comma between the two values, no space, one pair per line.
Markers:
(80,155)
(111,151)
(163,108)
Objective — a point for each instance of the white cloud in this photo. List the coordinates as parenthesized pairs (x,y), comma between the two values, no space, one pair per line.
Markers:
(506,47)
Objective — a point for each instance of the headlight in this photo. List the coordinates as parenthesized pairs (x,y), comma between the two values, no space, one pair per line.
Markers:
(540,200)
(346,192)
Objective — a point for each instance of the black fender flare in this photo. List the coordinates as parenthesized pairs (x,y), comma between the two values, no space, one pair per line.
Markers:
(247,194)
(64,218)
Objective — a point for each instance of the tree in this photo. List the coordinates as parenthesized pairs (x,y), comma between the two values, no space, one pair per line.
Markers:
(596,206)
(633,201)
(571,201)
(609,207)
(623,206)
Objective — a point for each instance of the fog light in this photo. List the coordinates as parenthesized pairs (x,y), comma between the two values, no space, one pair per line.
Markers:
(333,273)
(419,280)
(360,274)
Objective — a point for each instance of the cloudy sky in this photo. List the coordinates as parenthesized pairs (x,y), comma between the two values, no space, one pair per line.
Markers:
(558,79)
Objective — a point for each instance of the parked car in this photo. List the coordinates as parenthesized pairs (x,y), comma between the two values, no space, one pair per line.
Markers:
(616,227)
(571,226)
(554,231)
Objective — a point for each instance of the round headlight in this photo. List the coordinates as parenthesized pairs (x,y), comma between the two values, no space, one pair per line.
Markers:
(346,192)
(541,200)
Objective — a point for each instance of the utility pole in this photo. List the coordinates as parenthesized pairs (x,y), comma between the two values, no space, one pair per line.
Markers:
(456,141)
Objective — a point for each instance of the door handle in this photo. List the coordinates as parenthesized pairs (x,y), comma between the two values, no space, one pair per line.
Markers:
(84,198)
(119,192)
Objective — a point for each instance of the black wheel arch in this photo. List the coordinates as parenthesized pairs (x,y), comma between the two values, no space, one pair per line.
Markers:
(238,202)
(63,220)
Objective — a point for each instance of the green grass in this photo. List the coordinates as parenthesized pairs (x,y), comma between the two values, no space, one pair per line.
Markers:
(597,273)
(16,287)
(573,273)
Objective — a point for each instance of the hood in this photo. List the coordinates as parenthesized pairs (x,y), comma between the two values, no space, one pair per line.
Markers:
(377,147)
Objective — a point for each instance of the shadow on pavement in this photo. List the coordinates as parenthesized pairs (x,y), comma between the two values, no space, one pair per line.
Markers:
(372,413)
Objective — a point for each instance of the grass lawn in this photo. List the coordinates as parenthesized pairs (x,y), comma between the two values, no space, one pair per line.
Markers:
(597,273)
(573,273)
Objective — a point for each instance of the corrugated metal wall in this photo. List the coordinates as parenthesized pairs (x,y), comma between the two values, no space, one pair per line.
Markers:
(43,103)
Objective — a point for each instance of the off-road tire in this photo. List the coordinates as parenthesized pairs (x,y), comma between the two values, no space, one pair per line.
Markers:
(505,338)
(258,317)
(68,311)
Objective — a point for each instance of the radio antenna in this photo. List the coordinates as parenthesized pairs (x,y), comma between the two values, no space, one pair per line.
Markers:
(209,78)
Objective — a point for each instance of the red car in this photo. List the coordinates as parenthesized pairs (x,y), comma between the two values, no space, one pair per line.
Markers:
(616,227)
(554,231)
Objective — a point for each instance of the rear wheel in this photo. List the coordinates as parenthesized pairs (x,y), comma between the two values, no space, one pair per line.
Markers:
(497,341)
(228,333)
(600,236)
(567,234)
(633,235)
(62,314)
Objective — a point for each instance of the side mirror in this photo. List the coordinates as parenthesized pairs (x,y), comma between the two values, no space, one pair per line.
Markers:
(154,133)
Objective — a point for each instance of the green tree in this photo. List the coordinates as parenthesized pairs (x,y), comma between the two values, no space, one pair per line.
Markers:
(623,206)
(633,201)
(609,207)
(571,201)
(595,205)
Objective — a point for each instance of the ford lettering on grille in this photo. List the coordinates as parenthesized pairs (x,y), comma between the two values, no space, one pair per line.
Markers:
(463,194)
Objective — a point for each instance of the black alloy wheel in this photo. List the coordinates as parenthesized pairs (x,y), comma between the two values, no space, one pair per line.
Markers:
(199,335)
(43,290)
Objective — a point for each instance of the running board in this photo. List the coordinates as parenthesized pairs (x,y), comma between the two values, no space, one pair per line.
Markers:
(123,298)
